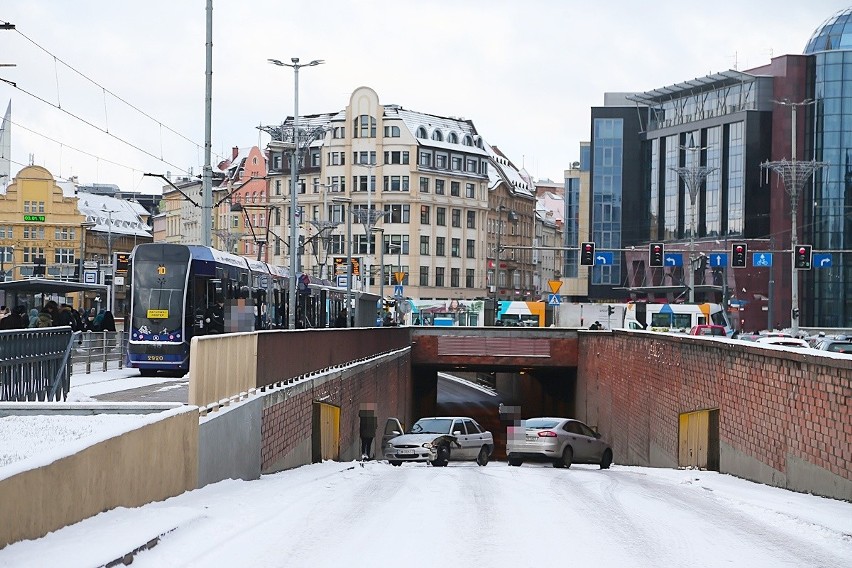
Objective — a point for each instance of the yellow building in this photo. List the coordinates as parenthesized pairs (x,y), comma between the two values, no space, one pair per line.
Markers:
(40,227)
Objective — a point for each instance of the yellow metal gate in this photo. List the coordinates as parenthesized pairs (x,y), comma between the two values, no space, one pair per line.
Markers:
(698,439)
(326,432)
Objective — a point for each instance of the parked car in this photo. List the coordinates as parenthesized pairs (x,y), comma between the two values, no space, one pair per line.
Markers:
(835,345)
(708,329)
(563,441)
(437,440)
(783,341)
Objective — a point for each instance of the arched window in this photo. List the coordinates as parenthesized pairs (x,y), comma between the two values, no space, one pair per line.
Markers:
(453,138)
(467,140)
(421,133)
(437,135)
(364,126)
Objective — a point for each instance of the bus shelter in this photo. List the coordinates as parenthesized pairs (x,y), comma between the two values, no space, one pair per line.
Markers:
(35,292)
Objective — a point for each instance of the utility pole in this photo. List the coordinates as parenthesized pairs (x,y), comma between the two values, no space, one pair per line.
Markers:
(207,173)
(795,174)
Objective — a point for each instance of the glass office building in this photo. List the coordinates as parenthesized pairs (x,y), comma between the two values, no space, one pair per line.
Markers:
(828,200)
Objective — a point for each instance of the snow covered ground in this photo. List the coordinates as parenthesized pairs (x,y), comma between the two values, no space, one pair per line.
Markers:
(342,514)
(345,514)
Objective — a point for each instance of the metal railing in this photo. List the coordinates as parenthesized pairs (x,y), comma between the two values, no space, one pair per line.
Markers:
(98,351)
(35,364)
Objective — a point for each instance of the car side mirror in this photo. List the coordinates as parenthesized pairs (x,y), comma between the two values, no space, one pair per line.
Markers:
(396,433)
(457,433)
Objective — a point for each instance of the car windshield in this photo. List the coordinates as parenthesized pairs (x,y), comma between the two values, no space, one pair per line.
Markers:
(432,426)
(541,423)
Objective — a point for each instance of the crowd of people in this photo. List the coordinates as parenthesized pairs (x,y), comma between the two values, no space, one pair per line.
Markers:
(55,315)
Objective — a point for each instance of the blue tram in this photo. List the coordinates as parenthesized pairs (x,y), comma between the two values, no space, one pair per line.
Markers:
(173,285)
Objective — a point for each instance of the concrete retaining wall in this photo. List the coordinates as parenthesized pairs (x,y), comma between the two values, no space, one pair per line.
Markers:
(785,417)
(153,462)
(229,443)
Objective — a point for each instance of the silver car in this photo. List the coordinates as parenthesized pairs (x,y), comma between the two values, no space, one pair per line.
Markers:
(563,441)
(437,440)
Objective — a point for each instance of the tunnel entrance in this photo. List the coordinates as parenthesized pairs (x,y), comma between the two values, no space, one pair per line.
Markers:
(495,399)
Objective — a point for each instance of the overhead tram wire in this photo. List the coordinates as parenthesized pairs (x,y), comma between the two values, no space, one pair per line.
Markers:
(99,129)
(64,145)
(105,90)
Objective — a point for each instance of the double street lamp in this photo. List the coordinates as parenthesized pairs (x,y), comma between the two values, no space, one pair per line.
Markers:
(693,175)
(294,171)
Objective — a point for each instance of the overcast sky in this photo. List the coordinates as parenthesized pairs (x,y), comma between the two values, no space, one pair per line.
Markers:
(526,73)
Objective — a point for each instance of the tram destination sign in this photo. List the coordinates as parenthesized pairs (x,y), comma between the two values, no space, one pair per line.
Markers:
(36,218)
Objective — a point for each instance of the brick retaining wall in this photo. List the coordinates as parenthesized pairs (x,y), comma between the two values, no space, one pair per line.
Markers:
(785,417)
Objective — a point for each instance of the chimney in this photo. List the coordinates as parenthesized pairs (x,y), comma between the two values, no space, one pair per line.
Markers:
(235,152)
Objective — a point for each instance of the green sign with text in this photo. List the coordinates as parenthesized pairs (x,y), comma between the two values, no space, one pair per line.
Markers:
(39,218)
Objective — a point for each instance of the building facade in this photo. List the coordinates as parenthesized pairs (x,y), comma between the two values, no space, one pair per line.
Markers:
(48,229)
(412,190)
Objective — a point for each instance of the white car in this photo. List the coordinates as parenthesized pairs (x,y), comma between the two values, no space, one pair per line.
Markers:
(437,440)
(781,341)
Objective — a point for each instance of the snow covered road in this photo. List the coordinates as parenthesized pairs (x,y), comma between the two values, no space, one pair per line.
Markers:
(342,514)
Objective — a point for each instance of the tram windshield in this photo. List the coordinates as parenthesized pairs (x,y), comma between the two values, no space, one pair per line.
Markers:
(158,291)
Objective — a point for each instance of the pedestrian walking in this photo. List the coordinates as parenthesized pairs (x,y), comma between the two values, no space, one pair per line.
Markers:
(33,318)
(108,322)
(368,426)
(340,320)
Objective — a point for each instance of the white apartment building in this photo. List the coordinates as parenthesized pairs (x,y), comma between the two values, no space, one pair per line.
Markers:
(419,181)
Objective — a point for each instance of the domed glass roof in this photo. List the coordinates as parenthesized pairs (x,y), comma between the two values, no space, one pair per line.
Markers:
(834,33)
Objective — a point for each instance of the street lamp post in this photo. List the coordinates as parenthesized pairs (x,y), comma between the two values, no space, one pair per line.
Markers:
(347,202)
(294,170)
(369,219)
(693,175)
(109,213)
(794,174)
(381,232)
(398,281)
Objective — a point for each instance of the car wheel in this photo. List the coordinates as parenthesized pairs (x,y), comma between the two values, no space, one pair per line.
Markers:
(606,460)
(482,458)
(515,462)
(395,463)
(567,458)
(443,456)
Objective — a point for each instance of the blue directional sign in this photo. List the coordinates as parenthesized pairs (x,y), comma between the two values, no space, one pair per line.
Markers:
(672,259)
(719,259)
(821,260)
(761,259)
(603,257)
(553,300)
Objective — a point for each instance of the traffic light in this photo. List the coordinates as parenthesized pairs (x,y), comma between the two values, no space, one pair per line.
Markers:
(587,254)
(610,310)
(739,253)
(656,255)
(804,254)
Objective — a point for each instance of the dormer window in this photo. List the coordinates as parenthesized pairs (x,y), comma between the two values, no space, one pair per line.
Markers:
(437,135)
(421,133)
(467,140)
(453,138)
